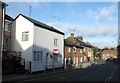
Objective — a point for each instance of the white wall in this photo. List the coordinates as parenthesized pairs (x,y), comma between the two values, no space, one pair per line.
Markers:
(44,41)
(20,25)
(39,40)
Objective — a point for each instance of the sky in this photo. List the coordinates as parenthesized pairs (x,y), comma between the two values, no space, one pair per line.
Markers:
(97,22)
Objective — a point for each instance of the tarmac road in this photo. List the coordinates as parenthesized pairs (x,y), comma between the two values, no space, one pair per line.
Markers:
(106,73)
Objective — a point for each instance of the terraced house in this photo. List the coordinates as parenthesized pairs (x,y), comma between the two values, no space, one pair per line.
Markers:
(77,52)
(109,53)
(2,21)
(7,33)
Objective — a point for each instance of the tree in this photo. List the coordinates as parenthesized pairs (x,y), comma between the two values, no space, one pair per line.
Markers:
(95,51)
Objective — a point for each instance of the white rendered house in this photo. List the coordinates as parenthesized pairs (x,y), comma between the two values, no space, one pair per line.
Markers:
(41,46)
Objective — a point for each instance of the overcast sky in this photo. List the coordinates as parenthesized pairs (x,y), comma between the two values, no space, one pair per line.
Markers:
(97,22)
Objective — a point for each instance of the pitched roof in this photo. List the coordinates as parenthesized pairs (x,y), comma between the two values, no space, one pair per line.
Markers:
(77,41)
(40,24)
(8,17)
(83,43)
(68,43)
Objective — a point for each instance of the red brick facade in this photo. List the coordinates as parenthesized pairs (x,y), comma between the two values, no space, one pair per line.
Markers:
(80,55)
(107,53)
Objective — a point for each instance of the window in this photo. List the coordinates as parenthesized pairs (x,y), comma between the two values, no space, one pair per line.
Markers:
(8,26)
(19,54)
(38,55)
(25,36)
(74,49)
(81,59)
(55,58)
(69,49)
(74,60)
(84,57)
(55,42)
(84,49)
(5,45)
(80,50)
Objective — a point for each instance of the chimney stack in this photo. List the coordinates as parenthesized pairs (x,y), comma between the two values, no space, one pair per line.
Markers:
(72,35)
(80,38)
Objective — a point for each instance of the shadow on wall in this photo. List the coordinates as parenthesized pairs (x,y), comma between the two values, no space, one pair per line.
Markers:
(38,58)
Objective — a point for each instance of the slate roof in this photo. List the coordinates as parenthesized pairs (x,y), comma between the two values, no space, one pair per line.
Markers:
(67,43)
(8,17)
(40,24)
(81,43)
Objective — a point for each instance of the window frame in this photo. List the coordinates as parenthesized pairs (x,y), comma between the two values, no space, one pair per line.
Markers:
(75,49)
(25,36)
(81,51)
(38,56)
(55,42)
(69,49)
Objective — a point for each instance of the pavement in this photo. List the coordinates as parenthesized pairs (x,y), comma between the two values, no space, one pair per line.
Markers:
(15,77)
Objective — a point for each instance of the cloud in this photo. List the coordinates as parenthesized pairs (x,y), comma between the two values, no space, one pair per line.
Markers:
(104,13)
(101,34)
(87,30)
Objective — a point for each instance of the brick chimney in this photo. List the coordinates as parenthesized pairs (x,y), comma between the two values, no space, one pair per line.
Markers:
(80,38)
(72,35)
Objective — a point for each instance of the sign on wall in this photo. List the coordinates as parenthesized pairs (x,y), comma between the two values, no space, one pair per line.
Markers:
(55,51)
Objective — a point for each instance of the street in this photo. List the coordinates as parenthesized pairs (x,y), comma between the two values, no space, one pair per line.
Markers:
(102,72)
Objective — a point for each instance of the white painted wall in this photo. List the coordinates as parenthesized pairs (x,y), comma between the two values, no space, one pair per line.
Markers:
(39,40)
(20,25)
(44,41)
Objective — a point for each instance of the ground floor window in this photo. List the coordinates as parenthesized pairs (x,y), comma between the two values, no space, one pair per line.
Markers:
(84,57)
(38,55)
(74,60)
(81,59)
(55,58)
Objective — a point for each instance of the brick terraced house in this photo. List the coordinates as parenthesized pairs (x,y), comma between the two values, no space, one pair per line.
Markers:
(109,53)
(77,52)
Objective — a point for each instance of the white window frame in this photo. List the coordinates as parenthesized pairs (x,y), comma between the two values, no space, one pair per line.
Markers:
(81,59)
(55,42)
(80,50)
(69,49)
(25,36)
(38,55)
(85,58)
(8,26)
(84,49)
(74,49)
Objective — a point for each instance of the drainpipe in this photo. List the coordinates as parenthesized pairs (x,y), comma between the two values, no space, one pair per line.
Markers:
(2,16)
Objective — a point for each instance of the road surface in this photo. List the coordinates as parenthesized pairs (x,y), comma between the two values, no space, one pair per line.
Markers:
(106,72)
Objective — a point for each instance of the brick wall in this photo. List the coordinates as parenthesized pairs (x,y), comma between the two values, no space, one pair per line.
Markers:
(109,53)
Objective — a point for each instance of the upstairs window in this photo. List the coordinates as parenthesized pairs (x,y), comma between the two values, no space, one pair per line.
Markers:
(84,49)
(74,49)
(69,49)
(8,26)
(55,42)
(25,36)
(80,50)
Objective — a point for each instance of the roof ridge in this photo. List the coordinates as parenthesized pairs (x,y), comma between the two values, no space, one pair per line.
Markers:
(43,25)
